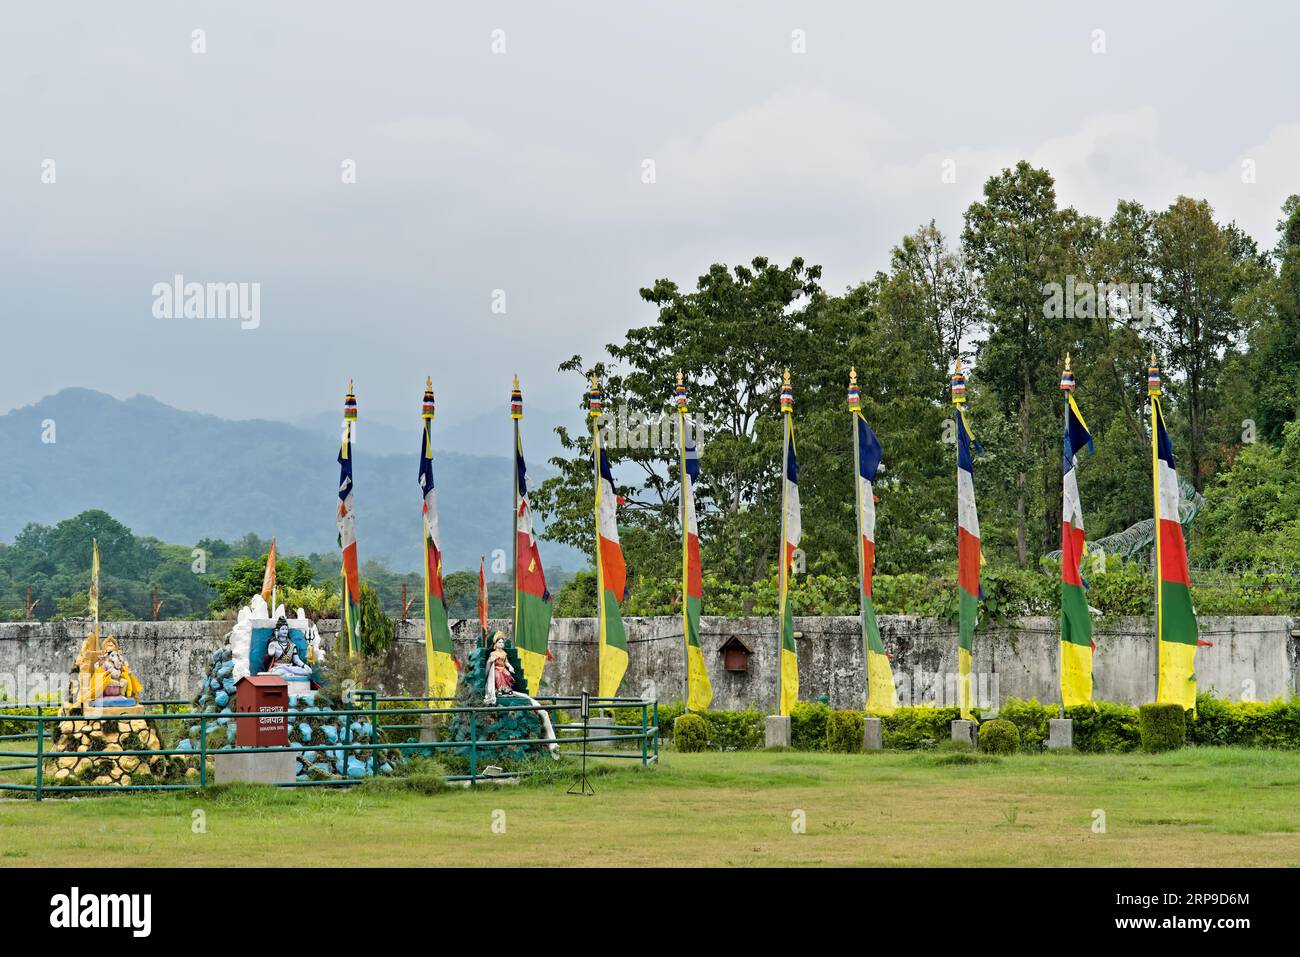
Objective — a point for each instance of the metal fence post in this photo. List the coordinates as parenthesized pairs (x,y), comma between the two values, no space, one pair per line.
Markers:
(473,747)
(374,732)
(203,751)
(656,731)
(40,752)
(645,733)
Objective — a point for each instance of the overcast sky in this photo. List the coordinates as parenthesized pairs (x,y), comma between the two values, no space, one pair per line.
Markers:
(522,170)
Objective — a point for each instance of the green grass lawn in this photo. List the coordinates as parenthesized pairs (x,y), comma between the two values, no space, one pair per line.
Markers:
(1205,806)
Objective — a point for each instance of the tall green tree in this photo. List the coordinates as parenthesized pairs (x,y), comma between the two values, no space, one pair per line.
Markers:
(1201,270)
(1274,365)
(1020,242)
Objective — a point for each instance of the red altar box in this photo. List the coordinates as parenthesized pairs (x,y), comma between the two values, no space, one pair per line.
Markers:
(268,697)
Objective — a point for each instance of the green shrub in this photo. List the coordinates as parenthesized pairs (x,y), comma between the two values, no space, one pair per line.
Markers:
(1256,724)
(1105,728)
(844,731)
(691,733)
(1163,726)
(669,713)
(376,627)
(736,730)
(1030,719)
(910,729)
(808,725)
(999,736)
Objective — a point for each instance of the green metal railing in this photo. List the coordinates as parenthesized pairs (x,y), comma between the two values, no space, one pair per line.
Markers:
(573,739)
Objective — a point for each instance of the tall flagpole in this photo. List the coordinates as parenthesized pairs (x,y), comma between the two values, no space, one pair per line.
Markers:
(1153,394)
(593,411)
(855,411)
(516,413)
(94,547)
(680,399)
(787,407)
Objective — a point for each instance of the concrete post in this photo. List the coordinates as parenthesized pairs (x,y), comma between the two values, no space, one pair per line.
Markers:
(600,727)
(873,735)
(963,731)
(1060,733)
(254,767)
(777,731)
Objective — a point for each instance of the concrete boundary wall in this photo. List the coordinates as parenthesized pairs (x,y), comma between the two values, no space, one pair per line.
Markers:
(1250,657)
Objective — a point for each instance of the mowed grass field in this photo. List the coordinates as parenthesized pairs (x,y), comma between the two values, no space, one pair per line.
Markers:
(1200,807)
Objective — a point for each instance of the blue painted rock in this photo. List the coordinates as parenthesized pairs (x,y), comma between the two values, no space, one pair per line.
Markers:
(221,698)
(331,733)
(304,731)
(229,685)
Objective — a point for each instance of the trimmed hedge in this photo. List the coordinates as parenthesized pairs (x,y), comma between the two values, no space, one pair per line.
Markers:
(1256,724)
(808,725)
(727,730)
(844,731)
(1100,728)
(999,736)
(910,729)
(691,733)
(1106,728)
(1163,727)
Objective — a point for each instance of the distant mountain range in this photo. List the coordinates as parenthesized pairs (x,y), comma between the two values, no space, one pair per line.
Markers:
(183,476)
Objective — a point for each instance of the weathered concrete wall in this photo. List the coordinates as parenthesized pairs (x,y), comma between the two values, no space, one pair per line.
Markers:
(1251,657)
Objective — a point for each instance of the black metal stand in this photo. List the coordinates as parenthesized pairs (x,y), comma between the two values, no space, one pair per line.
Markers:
(582,786)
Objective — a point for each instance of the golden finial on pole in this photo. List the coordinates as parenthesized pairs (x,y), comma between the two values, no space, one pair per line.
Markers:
(594,398)
(958,384)
(679,393)
(1153,377)
(855,396)
(516,401)
(787,394)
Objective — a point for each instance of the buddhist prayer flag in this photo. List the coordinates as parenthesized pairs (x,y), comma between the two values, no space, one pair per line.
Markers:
(268,577)
(968,546)
(882,697)
(482,596)
(439,655)
(92,597)
(532,599)
(1076,621)
(699,693)
(1175,619)
(790,534)
(350,575)
(611,573)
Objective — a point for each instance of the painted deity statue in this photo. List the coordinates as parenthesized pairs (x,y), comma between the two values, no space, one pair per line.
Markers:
(501,681)
(282,656)
(104,676)
(500,672)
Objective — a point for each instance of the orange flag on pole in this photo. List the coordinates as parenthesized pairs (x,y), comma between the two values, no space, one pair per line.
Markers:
(482,597)
(268,578)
